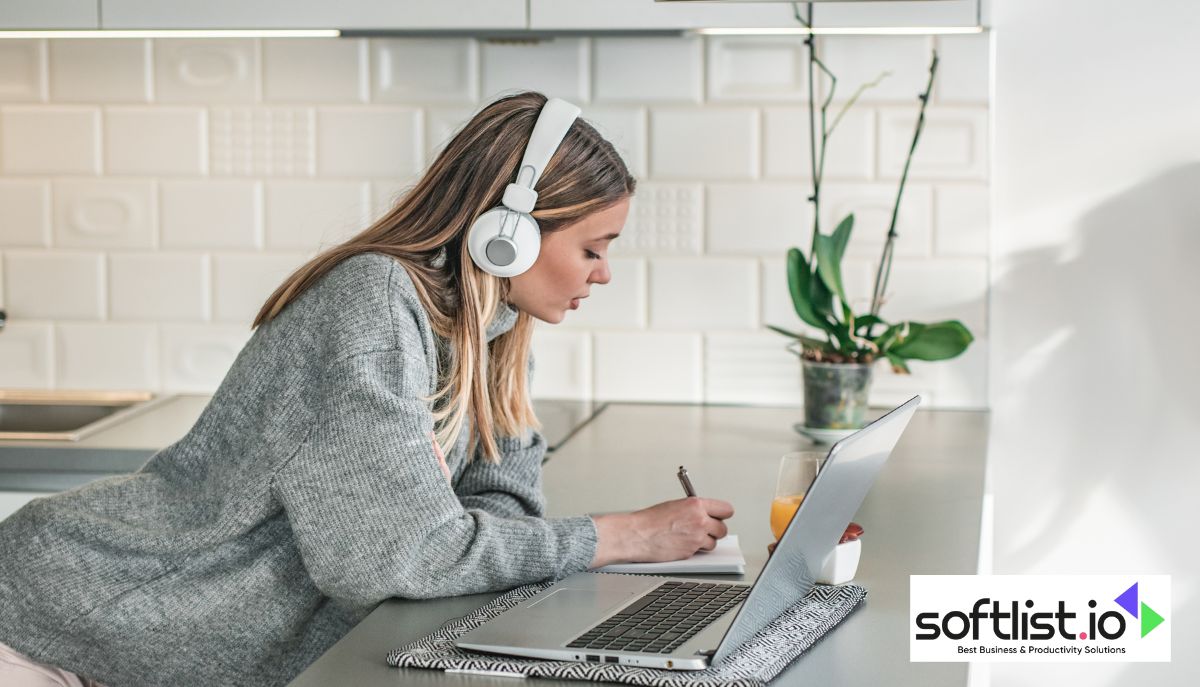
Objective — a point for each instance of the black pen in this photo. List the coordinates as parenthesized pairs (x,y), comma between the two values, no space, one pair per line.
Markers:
(687,483)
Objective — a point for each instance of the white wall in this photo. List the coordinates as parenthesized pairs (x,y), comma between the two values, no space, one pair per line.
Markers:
(1094,370)
(152,193)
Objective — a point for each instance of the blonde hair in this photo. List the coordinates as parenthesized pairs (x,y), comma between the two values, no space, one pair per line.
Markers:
(426,231)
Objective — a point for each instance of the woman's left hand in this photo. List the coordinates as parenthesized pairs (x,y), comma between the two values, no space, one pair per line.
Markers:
(441,459)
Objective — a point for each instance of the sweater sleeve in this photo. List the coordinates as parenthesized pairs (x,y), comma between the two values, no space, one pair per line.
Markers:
(374,517)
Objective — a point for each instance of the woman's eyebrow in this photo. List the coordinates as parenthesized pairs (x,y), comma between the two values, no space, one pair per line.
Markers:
(608,236)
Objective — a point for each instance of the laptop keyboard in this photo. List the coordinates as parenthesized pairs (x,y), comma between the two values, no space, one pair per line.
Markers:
(663,619)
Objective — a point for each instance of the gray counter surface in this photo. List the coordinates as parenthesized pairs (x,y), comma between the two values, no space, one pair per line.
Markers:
(921,517)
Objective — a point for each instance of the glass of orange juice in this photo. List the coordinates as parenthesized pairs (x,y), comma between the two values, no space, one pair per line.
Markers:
(796,472)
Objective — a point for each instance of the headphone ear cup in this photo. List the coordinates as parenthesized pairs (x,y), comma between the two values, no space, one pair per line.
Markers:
(504,256)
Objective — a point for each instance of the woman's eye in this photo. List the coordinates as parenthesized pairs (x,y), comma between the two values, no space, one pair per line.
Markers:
(592,255)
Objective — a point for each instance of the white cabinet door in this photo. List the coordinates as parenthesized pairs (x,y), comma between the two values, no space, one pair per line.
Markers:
(314,14)
(11,501)
(647,14)
(49,14)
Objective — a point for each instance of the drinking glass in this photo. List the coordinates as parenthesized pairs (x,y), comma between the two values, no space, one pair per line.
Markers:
(796,473)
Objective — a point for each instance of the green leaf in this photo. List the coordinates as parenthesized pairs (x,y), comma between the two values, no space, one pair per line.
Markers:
(806,341)
(829,267)
(889,336)
(937,341)
(898,364)
(863,321)
(799,283)
(841,236)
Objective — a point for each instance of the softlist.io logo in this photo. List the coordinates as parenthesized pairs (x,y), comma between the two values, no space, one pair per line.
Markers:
(1029,618)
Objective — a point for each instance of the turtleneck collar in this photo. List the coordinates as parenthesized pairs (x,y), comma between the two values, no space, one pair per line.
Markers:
(504,320)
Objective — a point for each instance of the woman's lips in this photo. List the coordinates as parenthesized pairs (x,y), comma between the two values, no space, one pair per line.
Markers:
(574,303)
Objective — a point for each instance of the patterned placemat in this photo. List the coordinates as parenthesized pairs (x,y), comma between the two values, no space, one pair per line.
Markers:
(756,662)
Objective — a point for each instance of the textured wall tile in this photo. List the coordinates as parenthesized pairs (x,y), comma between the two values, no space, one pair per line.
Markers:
(195,357)
(703,293)
(376,142)
(758,218)
(872,205)
(730,150)
(27,356)
(158,140)
(50,140)
(961,219)
(621,303)
(242,283)
(314,70)
(441,124)
(664,219)
(22,71)
(158,286)
(385,193)
(962,75)
(751,368)
(104,213)
(277,141)
(648,366)
(642,70)
(405,70)
(107,356)
(557,67)
(206,70)
(562,364)
(856,60)
(757,68)
(100,70)
(223,213)
(952,146)
(307,215)
(625,128)
(25,213)
(850,153)
(54,285)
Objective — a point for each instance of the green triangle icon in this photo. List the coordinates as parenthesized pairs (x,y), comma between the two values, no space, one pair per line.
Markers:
(1150,619)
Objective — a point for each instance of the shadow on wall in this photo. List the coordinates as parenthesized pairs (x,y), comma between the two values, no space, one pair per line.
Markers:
(1096,416)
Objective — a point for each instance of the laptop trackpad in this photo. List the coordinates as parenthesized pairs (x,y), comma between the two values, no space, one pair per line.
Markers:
(573,601)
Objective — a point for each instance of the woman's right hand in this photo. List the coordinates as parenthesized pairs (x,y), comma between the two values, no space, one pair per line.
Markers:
(668,531)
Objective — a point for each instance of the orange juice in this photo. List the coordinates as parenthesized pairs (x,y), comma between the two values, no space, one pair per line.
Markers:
(783,509)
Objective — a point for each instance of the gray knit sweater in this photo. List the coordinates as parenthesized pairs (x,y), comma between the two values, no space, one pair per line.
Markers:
(306,493)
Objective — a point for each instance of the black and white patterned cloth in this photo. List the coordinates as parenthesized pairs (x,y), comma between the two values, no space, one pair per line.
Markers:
(755,663)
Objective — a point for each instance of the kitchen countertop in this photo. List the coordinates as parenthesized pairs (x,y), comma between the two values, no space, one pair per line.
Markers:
(921,517)
(47,466)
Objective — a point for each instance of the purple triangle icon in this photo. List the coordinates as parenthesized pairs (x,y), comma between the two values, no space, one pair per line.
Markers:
(1129,600)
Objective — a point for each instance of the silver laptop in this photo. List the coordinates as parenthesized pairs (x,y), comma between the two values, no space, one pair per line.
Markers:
(688,624)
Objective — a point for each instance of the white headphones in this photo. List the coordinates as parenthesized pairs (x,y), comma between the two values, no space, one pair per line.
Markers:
(505,241)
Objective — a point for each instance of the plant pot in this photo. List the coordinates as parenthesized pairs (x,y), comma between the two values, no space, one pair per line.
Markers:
(835,394)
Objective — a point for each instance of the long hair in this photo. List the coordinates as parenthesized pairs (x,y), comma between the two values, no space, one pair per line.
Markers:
(426,231)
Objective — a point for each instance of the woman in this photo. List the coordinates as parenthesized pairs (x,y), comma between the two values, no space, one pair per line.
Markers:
(337,464)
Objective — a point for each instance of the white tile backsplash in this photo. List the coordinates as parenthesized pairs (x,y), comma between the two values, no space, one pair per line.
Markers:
(757,68)
(704,143)
(206,70)
(758,218)
(155,140)
(369,142)
(100,70)
(50,140)
(307,70)
(211,213)
(160,287)
(105,213)
(22,70)
(195,357)
(648,366)
(154,193)
(558,67)
(562,364)
(24,213)
(722,293)
(437,70)
(106,356)
(643,70)
(27,355)
(58,285)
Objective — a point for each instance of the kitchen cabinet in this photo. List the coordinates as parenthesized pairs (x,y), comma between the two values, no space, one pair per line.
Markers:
(314,14)
(647,14)
(49,14)
(11,501)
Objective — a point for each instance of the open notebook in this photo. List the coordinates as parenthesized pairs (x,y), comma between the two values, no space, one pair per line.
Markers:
(725,558)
